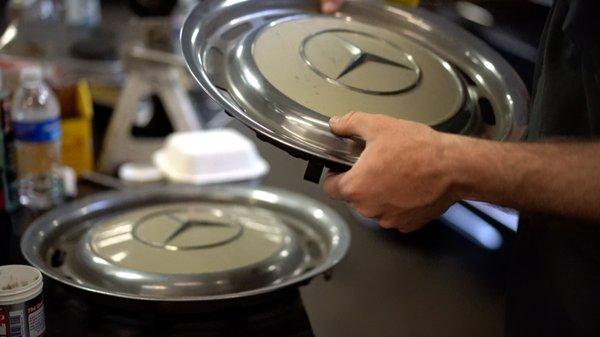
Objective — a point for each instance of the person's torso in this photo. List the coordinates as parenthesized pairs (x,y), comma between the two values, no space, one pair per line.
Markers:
(566,97)
(555,281)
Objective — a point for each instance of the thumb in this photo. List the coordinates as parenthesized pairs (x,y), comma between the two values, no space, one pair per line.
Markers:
(352,124)
(330,6)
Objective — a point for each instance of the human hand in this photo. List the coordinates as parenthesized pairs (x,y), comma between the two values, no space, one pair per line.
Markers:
(403,178)
(330,6)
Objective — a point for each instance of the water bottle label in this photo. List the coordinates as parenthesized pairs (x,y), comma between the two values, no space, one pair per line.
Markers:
(38,132)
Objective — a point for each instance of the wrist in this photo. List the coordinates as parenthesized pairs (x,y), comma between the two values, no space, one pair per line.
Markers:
(464,161)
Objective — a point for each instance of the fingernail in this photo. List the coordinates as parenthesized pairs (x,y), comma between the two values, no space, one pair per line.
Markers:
(334,119)
(328,7)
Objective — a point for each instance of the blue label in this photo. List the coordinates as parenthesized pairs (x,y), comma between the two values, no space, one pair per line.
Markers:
(38,132)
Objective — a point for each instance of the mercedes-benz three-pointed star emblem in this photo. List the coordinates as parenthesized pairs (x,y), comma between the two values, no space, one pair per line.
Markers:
(178,224)
(357,56)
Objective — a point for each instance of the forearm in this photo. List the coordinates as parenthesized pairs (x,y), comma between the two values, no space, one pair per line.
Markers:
(559,178)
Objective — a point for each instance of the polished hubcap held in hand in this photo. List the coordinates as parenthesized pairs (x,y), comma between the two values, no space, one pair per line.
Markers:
(284,69)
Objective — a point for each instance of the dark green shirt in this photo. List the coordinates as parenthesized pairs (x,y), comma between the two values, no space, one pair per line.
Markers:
(555,282)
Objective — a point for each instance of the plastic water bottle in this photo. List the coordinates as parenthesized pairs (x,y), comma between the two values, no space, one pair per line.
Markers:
(36,126)
(83,12)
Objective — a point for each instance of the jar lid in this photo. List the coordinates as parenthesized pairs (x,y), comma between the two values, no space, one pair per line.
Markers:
(283,69)
(19,283)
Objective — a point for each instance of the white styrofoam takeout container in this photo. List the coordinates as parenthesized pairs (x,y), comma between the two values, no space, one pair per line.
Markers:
(207,157)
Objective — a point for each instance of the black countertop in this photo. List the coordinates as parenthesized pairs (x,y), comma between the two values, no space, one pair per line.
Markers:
(429,283)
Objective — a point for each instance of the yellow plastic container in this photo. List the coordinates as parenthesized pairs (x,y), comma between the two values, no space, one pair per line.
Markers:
(404,2)
(77,112)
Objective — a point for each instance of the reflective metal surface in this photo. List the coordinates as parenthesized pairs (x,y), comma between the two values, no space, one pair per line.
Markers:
(331,67)
(283,69)
(183,243)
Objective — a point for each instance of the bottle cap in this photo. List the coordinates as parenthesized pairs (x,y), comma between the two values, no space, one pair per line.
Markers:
(31,74)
